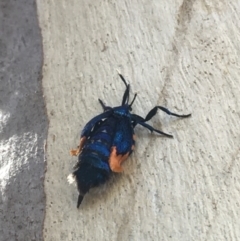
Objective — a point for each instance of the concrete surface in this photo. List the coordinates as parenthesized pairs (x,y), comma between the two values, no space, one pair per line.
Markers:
(23,123)
(180,54)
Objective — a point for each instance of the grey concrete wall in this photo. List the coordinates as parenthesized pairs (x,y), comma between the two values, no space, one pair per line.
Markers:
(23,123)
(180,54)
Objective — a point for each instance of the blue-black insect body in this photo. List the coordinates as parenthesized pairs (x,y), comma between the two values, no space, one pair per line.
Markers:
(106,141)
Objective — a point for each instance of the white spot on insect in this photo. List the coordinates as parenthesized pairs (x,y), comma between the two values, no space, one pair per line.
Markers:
(71,178)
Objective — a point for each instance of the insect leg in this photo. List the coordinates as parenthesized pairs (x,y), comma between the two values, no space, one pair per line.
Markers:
(152,129)
(154,111)
(105,108)
(136,119)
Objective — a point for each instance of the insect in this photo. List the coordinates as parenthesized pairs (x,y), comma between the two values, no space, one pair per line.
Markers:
(107,140)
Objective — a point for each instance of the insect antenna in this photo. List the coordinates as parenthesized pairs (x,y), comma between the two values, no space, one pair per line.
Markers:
(124,81)
(133,101)
(125,98)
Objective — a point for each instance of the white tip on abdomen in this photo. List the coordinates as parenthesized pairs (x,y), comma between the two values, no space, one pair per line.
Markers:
(71,178)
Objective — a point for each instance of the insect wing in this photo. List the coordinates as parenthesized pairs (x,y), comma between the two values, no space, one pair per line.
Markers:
(123,144)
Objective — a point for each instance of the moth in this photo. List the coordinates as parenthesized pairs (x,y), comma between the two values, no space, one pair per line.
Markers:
(107,140)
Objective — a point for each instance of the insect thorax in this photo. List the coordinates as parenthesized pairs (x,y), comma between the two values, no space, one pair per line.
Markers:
(121,111)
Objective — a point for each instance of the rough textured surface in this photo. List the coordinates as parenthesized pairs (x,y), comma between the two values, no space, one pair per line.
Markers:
(180,54)
(183,55)
(23,124)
